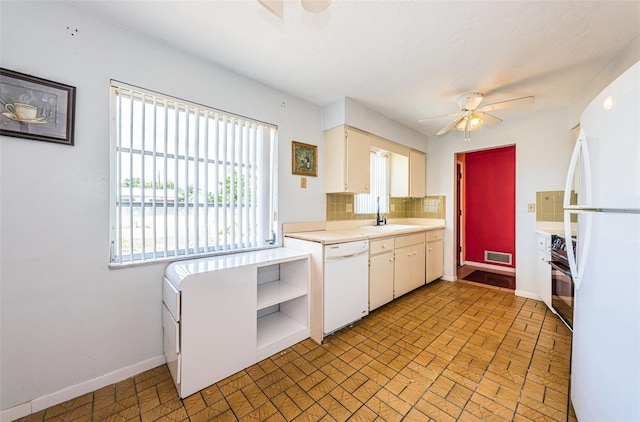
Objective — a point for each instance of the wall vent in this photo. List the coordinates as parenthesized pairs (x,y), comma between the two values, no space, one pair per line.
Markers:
(497,257)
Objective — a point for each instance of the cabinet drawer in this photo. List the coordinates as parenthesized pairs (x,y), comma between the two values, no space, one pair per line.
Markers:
(435,235)
(171,343)
(381,245)
(410,239)
(171,298)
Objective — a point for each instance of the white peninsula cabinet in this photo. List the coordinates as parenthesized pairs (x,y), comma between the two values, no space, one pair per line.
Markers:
(225,313)
(347,167)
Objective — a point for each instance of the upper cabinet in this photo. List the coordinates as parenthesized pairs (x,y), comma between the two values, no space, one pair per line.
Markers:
(347,165)
(417,174)
(408,174)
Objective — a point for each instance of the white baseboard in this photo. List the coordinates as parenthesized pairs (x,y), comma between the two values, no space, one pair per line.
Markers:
(44,402)
(528,295)
(490,266)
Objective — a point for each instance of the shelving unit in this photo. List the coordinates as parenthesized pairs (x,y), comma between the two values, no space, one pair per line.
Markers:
(235,310)
(282,305)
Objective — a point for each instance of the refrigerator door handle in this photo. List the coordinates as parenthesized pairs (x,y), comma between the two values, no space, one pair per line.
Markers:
(580,153)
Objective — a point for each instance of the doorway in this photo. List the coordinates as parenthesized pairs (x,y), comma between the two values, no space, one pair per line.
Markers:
(485,216)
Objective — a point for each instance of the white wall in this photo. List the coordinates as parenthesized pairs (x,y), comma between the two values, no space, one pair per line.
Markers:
(66,317)
(347,111)
(543,148)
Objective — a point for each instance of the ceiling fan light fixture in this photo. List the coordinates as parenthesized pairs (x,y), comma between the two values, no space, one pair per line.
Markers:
(315,6)
(472,122)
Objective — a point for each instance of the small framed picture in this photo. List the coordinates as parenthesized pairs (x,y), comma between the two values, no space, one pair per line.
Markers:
(34,108)
(304,159)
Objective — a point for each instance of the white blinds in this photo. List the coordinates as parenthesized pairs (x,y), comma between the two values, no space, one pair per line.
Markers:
(379,186)
(187,180)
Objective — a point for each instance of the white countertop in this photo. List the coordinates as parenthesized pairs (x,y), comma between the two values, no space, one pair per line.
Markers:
(177,271)
(328,237)
(554,228)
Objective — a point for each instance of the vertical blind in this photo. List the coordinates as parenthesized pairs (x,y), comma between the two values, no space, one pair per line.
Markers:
(187,180)
(367,203)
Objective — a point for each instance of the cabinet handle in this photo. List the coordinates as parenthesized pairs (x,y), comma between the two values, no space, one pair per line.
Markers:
(383,246)
(414,252)
(390,259)
(430,249)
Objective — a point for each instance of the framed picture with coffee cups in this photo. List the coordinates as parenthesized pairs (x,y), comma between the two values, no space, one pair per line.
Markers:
(35,108)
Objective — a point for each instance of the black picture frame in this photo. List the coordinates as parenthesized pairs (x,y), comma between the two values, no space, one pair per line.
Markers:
(36,108)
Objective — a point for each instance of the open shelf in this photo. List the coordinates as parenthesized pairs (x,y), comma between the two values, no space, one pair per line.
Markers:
(275,327)
(276,292)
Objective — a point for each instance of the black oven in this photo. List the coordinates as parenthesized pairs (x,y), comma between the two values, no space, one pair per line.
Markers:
(562,288)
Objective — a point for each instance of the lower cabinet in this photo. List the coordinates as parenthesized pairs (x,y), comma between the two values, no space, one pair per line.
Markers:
(543,269)
(380,272)
(223,314)
(435,255)
(409,271)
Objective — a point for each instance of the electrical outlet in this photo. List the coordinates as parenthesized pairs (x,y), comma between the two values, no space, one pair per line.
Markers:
(303,182)
(531,208)
(349,207)
(392,207)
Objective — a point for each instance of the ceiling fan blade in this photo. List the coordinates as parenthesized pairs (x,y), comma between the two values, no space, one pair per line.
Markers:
(448,127)
(507,103)
(489,119)
(274,6)
(440,116)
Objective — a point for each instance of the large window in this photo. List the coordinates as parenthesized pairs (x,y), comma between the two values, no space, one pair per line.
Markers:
(378,198)
(187,180)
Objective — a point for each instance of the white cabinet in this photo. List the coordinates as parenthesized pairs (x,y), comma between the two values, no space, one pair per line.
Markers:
(409,271)
(435,255)
(225,313)
(380,272)
(417,174)
(543,269)
(407,175)
(347,161)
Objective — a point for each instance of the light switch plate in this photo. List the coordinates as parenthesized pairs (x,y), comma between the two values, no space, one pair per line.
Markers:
(531,208)
(303,182)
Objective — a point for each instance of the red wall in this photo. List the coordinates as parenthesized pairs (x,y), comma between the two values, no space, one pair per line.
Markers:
(490,196)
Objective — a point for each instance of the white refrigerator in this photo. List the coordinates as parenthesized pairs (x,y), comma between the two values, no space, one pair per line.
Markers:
(605,362)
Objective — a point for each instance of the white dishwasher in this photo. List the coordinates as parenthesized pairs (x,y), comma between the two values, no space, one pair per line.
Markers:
(346,284)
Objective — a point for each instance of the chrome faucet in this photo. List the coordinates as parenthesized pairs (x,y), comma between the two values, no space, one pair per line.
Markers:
(379,220)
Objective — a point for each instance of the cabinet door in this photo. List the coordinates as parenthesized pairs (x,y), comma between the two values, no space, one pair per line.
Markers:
(543,278)
(409,272)
(380,280)
(435,260)
(358,162)
(417,174)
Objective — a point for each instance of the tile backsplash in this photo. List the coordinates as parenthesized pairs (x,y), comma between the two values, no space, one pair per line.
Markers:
(550,205)
(340,207)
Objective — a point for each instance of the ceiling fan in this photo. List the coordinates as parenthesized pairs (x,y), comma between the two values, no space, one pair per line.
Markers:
(471,116)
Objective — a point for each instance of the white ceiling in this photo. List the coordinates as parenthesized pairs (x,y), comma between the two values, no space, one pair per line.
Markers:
(405,59)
